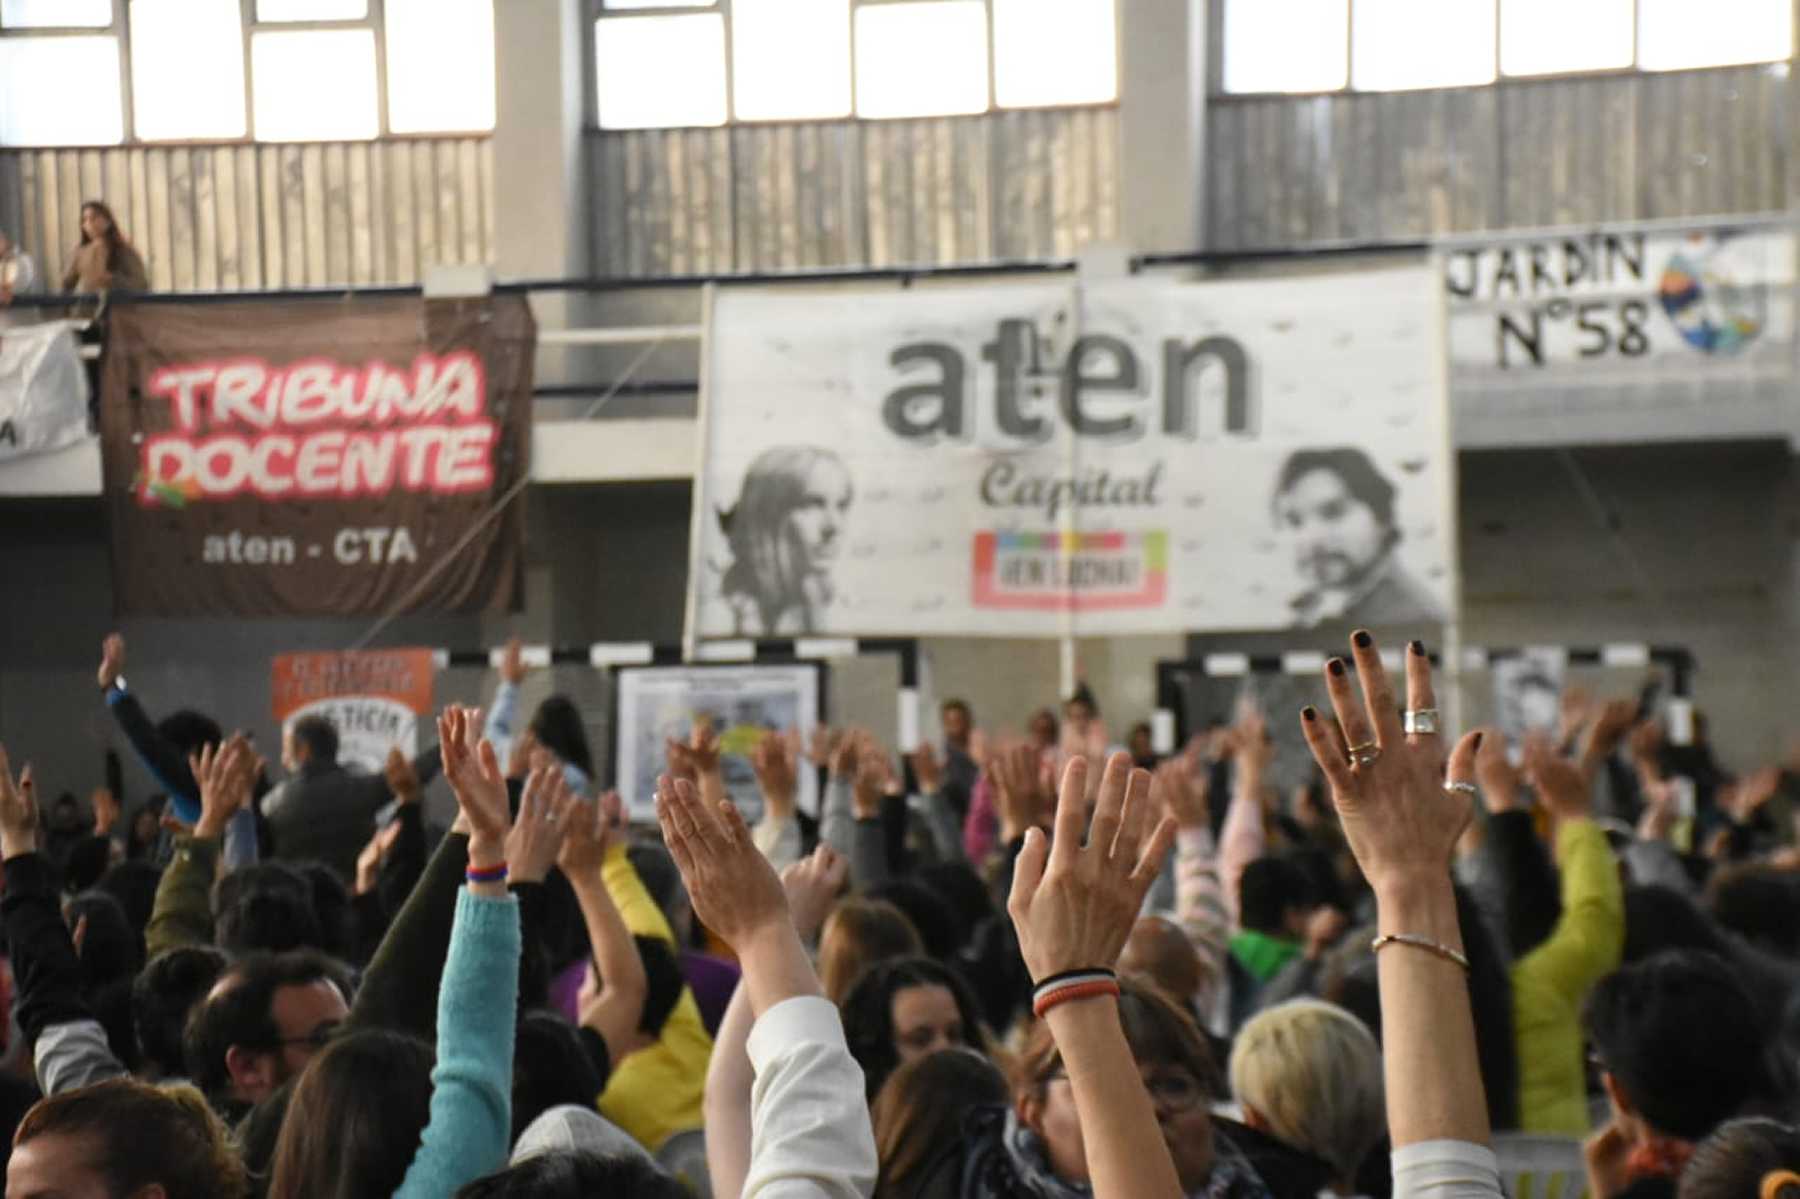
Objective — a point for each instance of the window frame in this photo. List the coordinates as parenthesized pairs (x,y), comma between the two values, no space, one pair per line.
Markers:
(120,30)
(595,11)
(1215,62)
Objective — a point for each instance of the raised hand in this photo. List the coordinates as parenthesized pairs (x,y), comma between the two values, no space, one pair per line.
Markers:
(584,846)
(822,745)
(106,811)
(480,789)
(1604,734)
(545,814)
(844,745)
(776,773)
(1400,817)
(402,779)
(1182,788)
(1495,773)
(18,810)
(1016,771)
(368,862)
(112,660)
(926,769)
(869,782)
(813,885)
(1562,786)
(734,889)
(512,662)
(1073,906)
(224,774)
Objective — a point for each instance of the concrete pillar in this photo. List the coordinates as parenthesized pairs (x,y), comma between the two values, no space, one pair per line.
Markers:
(1162,107)
(539,194)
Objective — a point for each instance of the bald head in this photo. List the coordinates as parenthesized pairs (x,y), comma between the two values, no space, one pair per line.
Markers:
(1159,951)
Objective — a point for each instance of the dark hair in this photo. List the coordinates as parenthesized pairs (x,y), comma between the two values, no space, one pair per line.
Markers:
(188,730)
(1662,918)
(87,860)
(1733,1162)
(1680,1036)
(1270,888)
(1084,695)
(657,871)
(1156,1028)
(868,1012)
(662,972)
(138,848)
(332,910)
(920,1110)
(133,884)
(163,994)
(1045,714)
(929,913)
(266,907)
(319,736)
(110,949)
(558,727)
(1357,470)
(355,1118)
(240,1013)
(115,239)
(858,933)
(550,1068)
(572,1173)
(1758,904)
(963,892)
(143,1135)
(957,705)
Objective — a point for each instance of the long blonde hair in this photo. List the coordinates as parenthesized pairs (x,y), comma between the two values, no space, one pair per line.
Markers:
(1312,1072)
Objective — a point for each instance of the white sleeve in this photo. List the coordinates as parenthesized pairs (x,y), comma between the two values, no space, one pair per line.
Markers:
(809,1120)
(1446,1170)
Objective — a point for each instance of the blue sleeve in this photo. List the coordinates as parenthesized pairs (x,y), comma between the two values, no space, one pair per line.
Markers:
(240,840)
(503,719)
(163,760)
(470,1129)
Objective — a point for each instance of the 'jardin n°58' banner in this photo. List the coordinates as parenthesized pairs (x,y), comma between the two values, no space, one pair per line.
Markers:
(316,457)
(1140,456)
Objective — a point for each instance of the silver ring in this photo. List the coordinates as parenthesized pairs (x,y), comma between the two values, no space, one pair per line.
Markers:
(1462,788)
(1419,720)
(1364,754)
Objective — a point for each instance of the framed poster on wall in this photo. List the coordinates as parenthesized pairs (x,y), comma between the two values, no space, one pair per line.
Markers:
(656,704)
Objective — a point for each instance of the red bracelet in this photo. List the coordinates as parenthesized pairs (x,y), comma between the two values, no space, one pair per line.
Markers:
(486,874)
(1075,990)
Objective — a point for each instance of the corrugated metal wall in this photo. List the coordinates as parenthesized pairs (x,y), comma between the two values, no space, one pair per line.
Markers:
(1008,185)
(263,216)
(1293,170)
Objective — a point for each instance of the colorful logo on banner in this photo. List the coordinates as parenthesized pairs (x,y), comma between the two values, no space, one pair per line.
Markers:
(1085,572)
(374,698)
(1712,295)
(304,458)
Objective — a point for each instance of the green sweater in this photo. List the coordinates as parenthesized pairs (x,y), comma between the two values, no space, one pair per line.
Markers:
(1262,955)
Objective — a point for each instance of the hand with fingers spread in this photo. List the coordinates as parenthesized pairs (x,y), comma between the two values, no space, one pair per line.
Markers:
(1183,790)
(1016,771)
(1402,812)
(813,885)
(1564,789)
(473,773)
(777,774)
(538,831)
(592,828)
(18,810)
(1494,772)
(1073,907)
(224,774)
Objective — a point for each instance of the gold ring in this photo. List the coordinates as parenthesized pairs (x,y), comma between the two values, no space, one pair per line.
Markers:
(1364,754)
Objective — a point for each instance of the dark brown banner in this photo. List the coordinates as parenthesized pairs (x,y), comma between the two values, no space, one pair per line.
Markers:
(317,457)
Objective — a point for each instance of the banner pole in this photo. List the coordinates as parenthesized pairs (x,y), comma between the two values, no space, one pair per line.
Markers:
(690,624)
(1452,697)
(1066,666)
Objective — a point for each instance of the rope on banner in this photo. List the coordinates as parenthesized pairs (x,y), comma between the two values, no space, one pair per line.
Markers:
(1168,724)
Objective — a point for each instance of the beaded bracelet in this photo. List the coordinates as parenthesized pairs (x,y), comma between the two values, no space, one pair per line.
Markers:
(1425,943)
(1071,985)
(486,874)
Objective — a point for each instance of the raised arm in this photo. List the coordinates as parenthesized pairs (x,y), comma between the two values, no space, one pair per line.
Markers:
(615,1007)
(503,712)
(776,763)
(811,1133)
(1402,820)
(159,755)
(182,914)
(1242,840)
(1590,934)
(940,818)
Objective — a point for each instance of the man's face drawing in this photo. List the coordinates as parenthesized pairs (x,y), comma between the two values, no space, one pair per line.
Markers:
(1336,537)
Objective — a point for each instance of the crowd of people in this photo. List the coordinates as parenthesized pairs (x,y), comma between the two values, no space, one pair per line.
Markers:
(996,967)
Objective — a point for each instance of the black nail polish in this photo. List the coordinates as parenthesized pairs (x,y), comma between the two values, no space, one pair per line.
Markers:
(1309,713)
(1477,740)
(1335,666)
(1362,639)
(1417,647)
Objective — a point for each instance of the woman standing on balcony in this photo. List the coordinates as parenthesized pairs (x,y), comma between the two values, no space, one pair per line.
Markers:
(104,260)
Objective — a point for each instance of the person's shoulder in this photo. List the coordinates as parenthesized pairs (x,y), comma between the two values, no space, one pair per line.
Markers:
(1283,1171)
(1397,599)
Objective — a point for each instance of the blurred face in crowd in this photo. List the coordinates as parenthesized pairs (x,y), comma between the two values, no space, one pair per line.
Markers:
(1181,1114)
(926,1020)
(94,222)
(56,1166)
(1078,715)
(815,525)
(1140,746)
(1043,729)
(956,725)
(1335,536)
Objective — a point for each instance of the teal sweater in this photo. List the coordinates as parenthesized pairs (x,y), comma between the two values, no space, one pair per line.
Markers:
(470,1129)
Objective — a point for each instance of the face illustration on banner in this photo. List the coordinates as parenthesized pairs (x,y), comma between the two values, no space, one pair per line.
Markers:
(785,534)
(1336,509)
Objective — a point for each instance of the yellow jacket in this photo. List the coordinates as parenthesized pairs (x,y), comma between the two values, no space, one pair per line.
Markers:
(1550,983)
(656,1092)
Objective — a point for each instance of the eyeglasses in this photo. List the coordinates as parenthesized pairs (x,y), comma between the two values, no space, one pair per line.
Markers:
(318,1038)
(1174,1093)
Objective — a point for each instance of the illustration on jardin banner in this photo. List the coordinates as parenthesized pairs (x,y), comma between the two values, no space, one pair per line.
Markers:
(317,458)
(1166,456)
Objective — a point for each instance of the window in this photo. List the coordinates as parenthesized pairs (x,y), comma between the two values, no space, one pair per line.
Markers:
(169,98)
(56,14)
(1286,45)
(894,42)
(314,85)
(440,65)
(660,71)
(1396,45)
(1062,54)
(311,10)
(657,66)
(35,71)
(790,59)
